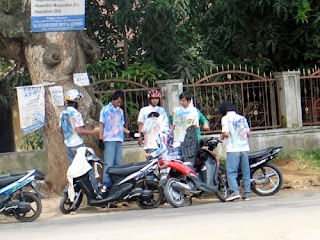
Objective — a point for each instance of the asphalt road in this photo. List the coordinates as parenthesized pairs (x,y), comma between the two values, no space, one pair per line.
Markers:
(288,215)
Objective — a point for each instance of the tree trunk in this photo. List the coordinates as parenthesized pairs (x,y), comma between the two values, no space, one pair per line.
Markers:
(62,55)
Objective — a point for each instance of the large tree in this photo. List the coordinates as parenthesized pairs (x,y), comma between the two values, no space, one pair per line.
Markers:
(49,57)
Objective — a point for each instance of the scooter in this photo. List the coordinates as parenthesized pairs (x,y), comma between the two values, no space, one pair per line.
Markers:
(181,180)
(16,201)
(129,183)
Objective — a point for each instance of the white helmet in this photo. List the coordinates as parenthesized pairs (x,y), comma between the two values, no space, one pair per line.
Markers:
(73,95)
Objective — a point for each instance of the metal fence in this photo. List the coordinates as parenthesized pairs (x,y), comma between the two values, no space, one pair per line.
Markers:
(310,97)
(256,97)
(135,97)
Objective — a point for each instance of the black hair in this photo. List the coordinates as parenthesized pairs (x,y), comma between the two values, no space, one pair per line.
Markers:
(226,106)
(185,95)
(118,94)
(72,104)
(153,114)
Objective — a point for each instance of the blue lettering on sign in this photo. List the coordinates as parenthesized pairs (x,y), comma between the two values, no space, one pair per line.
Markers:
(57,23)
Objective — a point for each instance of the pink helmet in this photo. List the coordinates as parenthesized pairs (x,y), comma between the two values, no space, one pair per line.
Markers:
(154,93)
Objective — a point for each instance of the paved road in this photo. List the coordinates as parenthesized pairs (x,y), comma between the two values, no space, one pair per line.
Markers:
(289,215)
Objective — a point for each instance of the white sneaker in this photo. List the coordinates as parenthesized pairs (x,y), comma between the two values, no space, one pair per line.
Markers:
(233,197)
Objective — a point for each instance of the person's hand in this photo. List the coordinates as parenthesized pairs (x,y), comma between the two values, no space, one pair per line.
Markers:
(205,127)
(101,144)
(140,141)
(148,155)
(96,130)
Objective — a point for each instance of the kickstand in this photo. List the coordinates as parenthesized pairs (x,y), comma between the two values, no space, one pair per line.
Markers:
(190,201)
(108,207)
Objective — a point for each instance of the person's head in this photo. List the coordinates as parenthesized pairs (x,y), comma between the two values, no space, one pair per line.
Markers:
(117,98)
(225,107)
(185,99)
(154,97)
(73,97)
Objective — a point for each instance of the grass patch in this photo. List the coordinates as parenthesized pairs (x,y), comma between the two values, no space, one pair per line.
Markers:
(307,159)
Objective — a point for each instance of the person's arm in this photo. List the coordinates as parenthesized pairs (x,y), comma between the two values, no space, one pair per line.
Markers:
(203,121)
(101,126)
(82,131)
(140,125)
(225,128)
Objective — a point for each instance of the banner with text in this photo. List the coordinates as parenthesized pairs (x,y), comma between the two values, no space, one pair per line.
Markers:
(57,15)
(31,104)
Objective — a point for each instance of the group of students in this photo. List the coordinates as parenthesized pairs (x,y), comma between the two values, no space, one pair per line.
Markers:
(159,134)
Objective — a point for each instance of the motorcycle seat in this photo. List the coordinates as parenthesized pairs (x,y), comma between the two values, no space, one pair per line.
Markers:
(261,153)
(123,170)
(6,180)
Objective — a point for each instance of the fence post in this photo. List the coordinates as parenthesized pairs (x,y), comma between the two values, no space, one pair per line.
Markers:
(290,98)
(170,90)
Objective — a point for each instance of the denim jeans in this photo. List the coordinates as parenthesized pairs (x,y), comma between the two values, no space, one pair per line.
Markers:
(234,160)
(71,153)
(112,157)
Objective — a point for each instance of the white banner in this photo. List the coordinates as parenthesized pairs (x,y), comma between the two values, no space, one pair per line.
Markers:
(56,93)
(81,79)
(31,102)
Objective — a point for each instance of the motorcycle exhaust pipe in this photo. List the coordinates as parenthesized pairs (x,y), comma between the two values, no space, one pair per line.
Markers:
(182,187)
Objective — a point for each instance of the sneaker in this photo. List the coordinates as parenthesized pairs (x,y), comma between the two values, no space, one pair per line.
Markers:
(245,198)
(233,196)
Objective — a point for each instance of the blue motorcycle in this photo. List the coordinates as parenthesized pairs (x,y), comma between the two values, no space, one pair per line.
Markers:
(19,196)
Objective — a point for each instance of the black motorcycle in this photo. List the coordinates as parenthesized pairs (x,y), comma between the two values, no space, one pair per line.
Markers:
(129,183)
(266,178)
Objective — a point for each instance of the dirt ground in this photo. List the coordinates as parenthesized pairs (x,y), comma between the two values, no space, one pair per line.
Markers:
(293,176)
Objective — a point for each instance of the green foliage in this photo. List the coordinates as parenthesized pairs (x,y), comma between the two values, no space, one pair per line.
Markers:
(272,34)
(144,72)
(32,141)
(11,75)
(308,159)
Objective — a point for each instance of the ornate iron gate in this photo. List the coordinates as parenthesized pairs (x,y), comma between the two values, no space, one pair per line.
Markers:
(256,97)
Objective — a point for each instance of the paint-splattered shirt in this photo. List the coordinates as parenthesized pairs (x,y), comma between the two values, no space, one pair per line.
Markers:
(182,119)
(76,120)
(237,127)
(113,120)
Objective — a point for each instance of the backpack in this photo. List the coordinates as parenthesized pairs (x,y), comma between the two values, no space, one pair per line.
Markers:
(65,124)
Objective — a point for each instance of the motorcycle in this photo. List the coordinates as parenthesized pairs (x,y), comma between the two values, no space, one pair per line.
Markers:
(16,201)
(266,178)
(181,181)
(130,184)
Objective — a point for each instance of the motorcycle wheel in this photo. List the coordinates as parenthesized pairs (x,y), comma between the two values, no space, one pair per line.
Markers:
(66,207)
(222,193)
(35,203)
(174,197)
(157,198)
(267,180)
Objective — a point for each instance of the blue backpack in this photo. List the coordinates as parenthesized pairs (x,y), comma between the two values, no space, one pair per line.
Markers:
(65,124)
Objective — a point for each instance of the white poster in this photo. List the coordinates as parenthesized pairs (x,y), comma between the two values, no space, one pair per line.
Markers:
(81,79)
(31,102)
(56,93)
(57,15)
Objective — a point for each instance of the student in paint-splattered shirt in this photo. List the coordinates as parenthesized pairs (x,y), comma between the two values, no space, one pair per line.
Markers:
(112,133)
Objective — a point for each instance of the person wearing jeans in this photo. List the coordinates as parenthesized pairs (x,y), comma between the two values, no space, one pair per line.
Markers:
(236,129)
(112,133)
(73,128)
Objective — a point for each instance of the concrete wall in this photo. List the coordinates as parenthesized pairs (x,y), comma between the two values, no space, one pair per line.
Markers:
(306,138)
(16,162)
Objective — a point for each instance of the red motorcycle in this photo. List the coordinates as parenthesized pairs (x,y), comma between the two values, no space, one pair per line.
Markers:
(185,179)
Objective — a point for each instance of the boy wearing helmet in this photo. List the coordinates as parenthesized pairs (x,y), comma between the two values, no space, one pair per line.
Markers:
(72,125)
(150,131)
